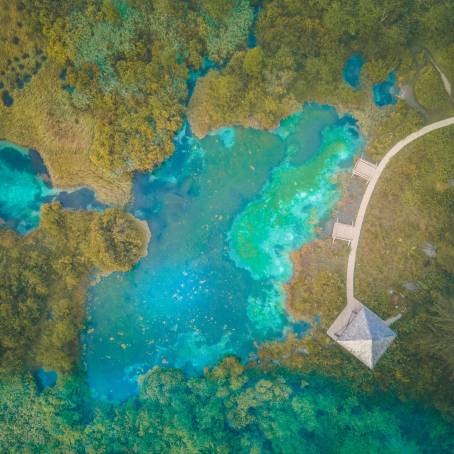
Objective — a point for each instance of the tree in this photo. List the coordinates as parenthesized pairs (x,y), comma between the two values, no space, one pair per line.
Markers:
(117,241)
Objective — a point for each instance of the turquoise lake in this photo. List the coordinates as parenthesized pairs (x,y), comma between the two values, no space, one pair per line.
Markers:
(225,212)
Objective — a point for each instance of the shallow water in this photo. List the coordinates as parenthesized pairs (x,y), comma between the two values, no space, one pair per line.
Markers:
(352,70)
(7,99)
(23,187)
(385,92)
(225,212)
(45,378)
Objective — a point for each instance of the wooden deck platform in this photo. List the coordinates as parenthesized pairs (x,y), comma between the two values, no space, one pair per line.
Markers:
(344,232)
(364,169)
(339,330)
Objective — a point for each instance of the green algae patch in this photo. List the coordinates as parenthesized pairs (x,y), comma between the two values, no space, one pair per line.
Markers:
(292,203)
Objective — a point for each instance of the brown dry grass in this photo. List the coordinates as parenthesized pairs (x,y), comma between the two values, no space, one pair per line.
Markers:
(43,118)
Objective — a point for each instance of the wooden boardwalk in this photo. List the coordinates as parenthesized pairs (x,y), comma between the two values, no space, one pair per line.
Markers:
(368,194)
(364,169)
(352,234)
(344,232)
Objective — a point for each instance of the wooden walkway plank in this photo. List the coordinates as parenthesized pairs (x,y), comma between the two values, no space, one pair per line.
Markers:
(370,189)
(364,169)
(344,232)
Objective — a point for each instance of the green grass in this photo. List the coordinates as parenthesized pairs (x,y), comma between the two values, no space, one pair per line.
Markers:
(431,93)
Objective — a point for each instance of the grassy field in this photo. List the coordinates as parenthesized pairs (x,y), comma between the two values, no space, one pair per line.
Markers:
(432,95)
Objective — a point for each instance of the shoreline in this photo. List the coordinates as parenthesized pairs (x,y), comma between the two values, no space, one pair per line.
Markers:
(351,194)
(112,192)
(368,117)
(147,232)
(118,191)
(44,120)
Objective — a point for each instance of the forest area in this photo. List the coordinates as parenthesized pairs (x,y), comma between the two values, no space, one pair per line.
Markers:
(301,49)
(233,408)
(100,88)
(122,71)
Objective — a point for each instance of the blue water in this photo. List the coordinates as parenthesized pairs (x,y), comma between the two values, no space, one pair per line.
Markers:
(80,199)
(45,378)
(225,212)
(352,70)
(385,92)
(7,99)
(207,64)
(252,38)
(25,186)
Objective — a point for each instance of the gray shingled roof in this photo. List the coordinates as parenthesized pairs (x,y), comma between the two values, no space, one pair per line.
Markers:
(366,336)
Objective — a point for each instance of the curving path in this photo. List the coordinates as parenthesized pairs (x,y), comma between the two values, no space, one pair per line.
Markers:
(444,79)
(368,194)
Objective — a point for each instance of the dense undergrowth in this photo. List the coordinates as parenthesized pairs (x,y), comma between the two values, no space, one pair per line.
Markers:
(302,47)
(100,87)
(231,409)
(44,277)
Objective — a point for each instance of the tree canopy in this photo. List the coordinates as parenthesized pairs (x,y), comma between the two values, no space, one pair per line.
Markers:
(45,276)
(231,409)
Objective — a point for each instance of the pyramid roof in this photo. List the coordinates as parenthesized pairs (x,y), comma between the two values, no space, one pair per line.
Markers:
(366,336)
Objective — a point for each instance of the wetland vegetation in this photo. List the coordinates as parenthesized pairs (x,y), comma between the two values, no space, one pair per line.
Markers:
(104,90)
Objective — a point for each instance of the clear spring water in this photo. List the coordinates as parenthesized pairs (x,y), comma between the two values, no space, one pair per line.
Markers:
(352,70)
(225,212)
(23,187)
(385,92)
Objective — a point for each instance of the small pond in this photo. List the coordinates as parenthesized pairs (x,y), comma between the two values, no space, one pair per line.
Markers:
(45,378)
(352,70)
(385,93)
